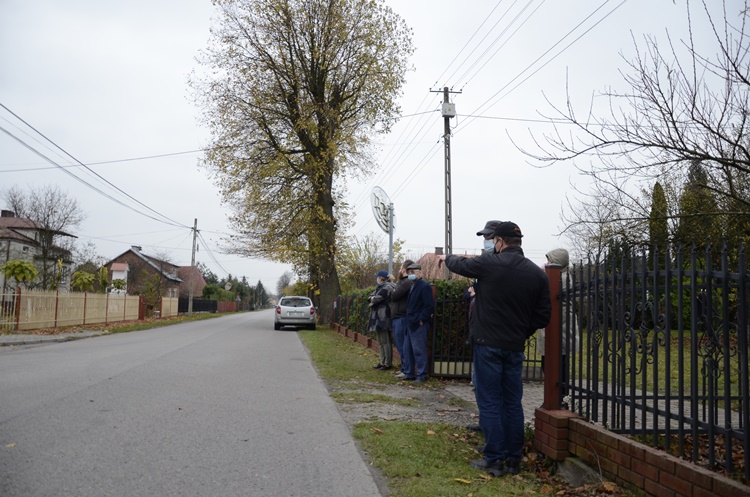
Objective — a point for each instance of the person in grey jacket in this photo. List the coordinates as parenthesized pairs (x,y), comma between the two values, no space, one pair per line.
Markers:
(380,318)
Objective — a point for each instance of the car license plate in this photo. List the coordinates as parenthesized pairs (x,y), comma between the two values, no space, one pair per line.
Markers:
(296,314)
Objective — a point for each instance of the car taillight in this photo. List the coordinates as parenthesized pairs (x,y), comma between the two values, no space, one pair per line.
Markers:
(312,310)
(278,309)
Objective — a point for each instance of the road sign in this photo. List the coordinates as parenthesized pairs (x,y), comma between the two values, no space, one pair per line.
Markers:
(381,208)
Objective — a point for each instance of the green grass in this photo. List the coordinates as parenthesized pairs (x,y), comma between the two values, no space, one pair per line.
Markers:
(432,459)
(417,459)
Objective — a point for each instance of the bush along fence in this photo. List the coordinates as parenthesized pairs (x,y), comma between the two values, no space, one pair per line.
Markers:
(656,382)
(23,310)
(449,346)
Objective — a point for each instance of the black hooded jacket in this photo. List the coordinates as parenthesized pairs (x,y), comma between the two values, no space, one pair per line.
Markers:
(513,301)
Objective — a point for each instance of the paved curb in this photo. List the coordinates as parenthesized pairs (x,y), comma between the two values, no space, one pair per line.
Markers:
(26,339)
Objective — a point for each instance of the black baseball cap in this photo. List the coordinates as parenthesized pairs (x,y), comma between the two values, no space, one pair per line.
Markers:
(507,229)
(489,228)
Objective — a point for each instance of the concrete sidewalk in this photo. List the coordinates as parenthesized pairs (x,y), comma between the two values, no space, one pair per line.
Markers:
(31,339)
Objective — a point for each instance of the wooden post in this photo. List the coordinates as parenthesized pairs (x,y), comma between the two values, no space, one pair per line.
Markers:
(57,303)
(18,309)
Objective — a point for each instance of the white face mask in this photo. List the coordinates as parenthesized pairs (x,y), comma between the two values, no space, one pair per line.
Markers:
(412,277)
(489,245)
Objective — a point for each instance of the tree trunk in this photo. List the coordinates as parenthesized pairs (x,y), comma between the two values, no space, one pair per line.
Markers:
(324,248)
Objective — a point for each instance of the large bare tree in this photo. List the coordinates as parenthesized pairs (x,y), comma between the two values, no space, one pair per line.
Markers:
(685,105)
(294,91)
(55,214)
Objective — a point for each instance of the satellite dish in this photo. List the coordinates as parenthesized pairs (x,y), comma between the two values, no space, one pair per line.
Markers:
(228,286)
(381,207)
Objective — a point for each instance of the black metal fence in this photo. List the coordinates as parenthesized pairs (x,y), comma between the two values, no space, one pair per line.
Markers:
(662,353)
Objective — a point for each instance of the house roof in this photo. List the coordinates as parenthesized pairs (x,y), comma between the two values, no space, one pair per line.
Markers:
(20,223)
(184,273)
(9,234)
(157,264)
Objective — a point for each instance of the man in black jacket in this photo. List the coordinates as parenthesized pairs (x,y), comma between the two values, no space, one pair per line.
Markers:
(513,303)
(399,298)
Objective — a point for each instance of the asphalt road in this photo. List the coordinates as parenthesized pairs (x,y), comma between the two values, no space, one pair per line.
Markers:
(222,407)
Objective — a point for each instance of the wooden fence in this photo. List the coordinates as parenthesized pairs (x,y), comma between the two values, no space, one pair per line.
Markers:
(22,310)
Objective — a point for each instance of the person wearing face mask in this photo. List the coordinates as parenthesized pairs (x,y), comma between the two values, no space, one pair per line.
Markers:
(488,247)
(420,307)
(398,320)
(380,318)
(513,302)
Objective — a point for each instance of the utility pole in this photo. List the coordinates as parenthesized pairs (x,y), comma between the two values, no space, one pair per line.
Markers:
(192,267)
(449,110)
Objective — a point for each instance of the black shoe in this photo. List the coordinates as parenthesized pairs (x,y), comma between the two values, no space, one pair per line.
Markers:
(496,468)
(386,368)
(512,466)
(473,428)
(378,366)
(408,378)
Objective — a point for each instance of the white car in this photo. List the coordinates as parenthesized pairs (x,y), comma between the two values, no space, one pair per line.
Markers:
(295,311)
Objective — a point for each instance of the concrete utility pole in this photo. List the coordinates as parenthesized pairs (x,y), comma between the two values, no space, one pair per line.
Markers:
(449,110)
(192,267)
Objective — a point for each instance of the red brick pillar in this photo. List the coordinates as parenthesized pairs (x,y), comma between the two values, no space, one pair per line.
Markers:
(552,342)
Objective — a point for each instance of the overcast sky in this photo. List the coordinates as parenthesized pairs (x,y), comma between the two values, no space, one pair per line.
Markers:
(107,82)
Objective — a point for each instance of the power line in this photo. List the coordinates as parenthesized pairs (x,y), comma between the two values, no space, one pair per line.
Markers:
(173,222)
(486,103)
(501,46)
(117,161)
(475,115)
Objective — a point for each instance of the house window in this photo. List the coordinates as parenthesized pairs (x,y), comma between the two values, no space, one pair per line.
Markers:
(25,248)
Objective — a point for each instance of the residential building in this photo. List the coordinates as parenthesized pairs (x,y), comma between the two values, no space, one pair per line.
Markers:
(23,239)
(143,273)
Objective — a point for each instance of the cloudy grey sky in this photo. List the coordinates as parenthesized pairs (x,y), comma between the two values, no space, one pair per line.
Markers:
(107,82)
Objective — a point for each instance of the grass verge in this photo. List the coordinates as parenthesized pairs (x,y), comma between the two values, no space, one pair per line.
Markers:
(421,459)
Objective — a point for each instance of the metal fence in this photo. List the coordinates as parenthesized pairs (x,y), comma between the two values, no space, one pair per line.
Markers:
(662,353)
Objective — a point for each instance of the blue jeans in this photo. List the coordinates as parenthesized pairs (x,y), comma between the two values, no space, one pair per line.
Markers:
(415,346)
(399,336)
(499,390)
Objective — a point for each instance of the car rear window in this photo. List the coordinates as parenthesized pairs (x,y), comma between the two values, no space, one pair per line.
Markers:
(296,302)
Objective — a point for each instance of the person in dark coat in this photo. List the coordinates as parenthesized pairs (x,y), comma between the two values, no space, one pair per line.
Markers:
(420,308)
(399,299)
(513,302)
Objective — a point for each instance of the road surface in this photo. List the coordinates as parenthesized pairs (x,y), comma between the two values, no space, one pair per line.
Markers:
(221,407)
